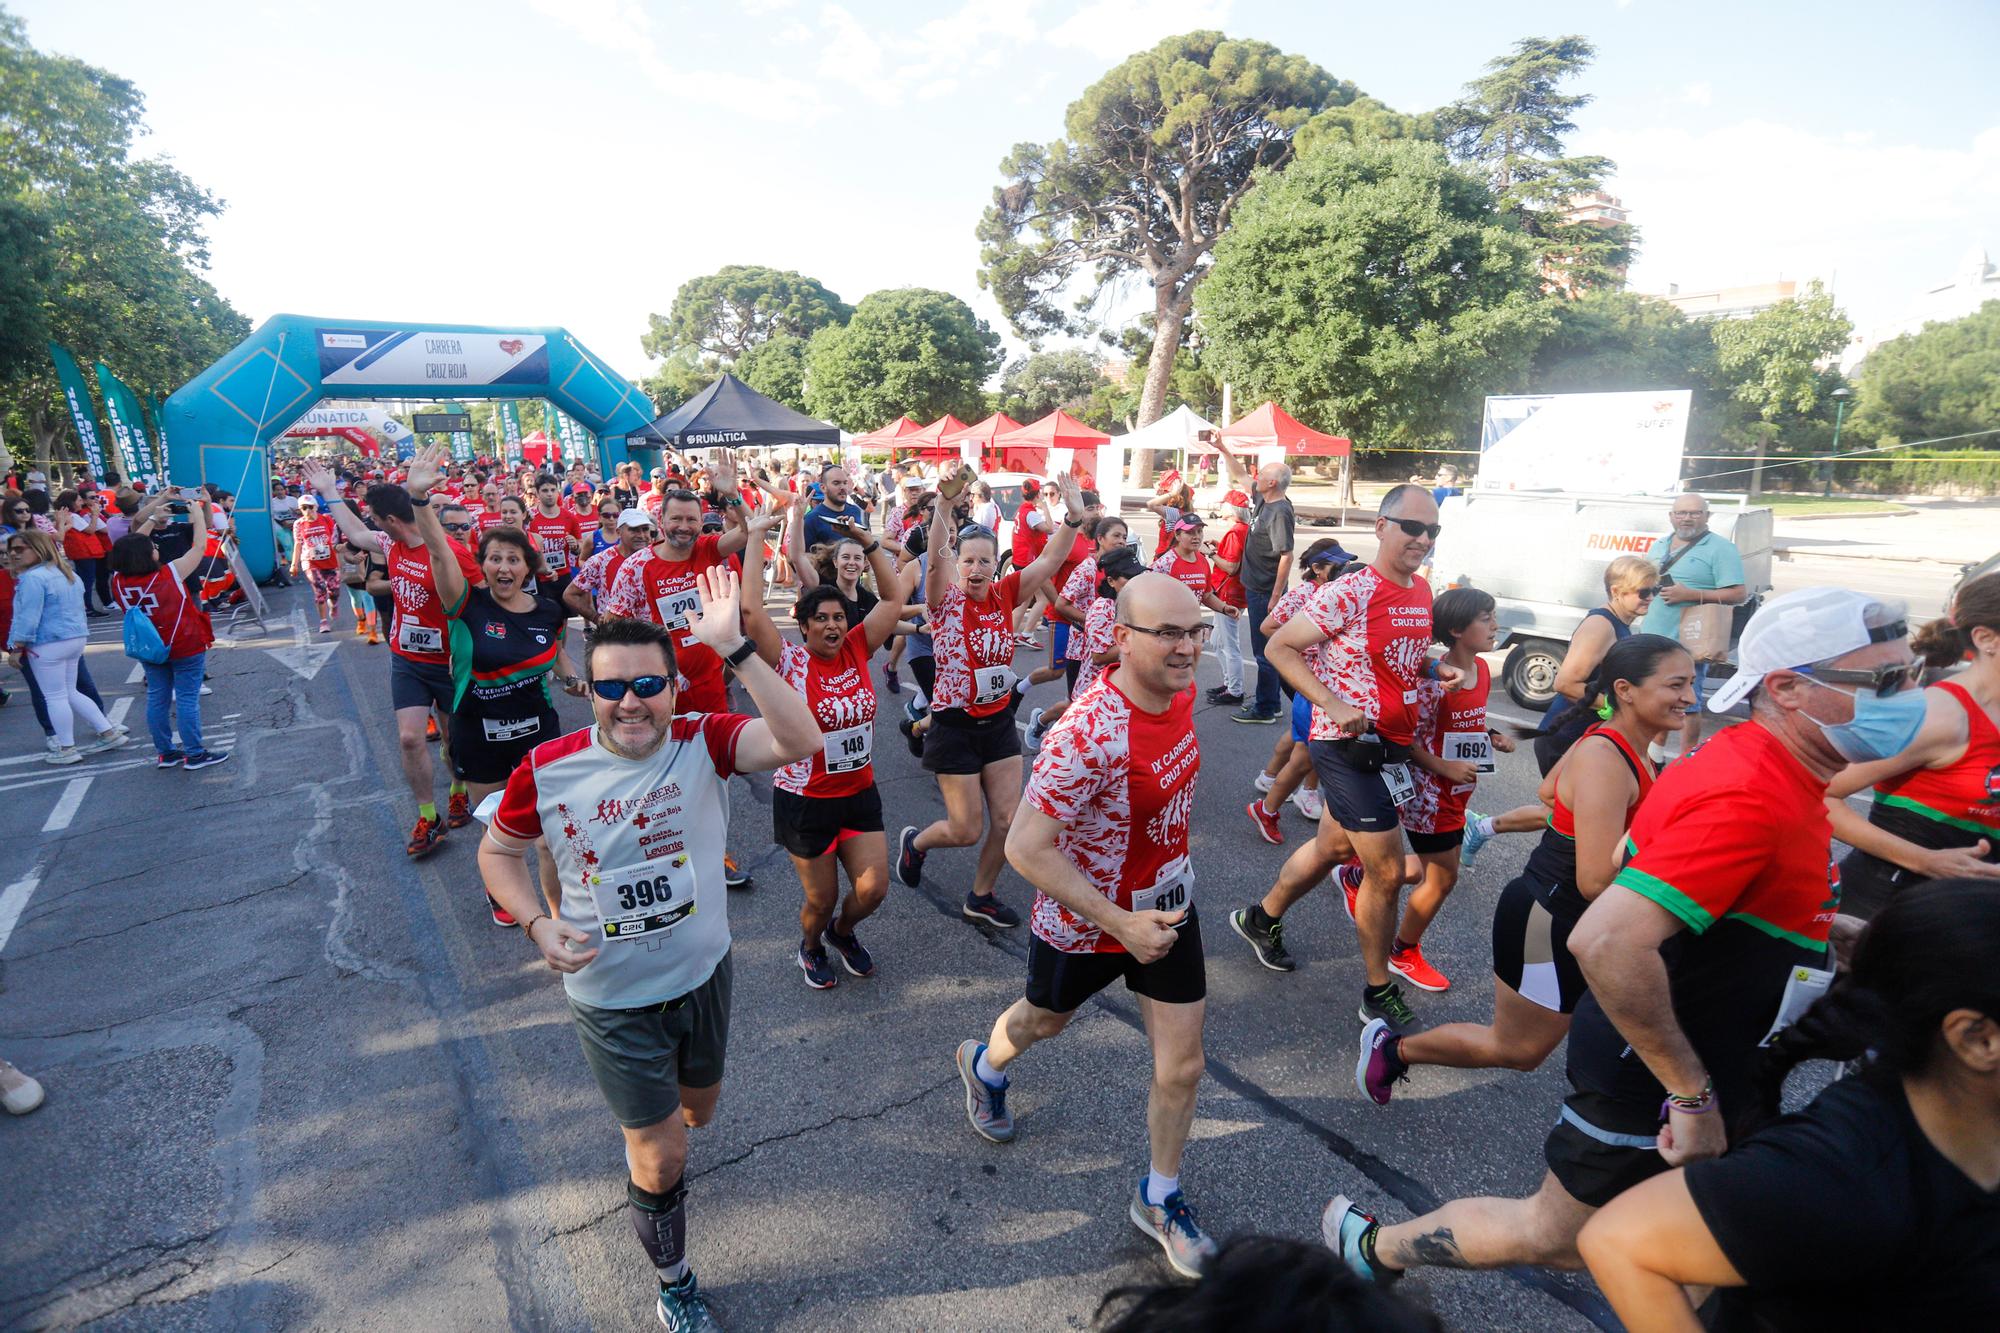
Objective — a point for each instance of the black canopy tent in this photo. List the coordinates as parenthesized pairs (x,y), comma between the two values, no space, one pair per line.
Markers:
(730,414)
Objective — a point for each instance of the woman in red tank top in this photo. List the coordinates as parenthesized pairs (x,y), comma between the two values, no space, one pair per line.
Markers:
(1936,812)
(1592,794)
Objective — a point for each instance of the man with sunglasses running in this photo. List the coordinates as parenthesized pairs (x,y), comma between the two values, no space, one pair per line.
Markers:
(1375,628)
(633,810)
(1102,834)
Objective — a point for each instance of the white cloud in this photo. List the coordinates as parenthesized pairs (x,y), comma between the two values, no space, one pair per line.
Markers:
(1698,94)
(615,25)
(852,55)
(1757,201)
(795,32)
(624,27)
(1114,29)
(759,8)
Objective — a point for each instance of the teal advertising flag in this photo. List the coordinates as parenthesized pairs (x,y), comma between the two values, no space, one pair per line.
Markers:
(82,408)
(461,440)
(128,427)
(510,434)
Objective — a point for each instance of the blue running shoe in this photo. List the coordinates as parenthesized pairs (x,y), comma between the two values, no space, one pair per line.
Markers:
(1188,1248)
(683,1309)
(1350,1233)
(1468,849)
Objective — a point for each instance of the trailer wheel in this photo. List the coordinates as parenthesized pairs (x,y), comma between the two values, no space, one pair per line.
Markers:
(1530,673)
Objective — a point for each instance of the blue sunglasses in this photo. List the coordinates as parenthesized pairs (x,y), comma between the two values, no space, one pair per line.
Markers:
(611,691)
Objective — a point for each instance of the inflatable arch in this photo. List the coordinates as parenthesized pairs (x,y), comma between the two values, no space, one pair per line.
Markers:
(219,425)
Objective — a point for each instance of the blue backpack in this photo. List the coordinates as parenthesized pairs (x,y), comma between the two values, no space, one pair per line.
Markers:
(142,638)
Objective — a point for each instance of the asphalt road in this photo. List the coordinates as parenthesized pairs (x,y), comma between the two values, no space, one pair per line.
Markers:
(296,1081)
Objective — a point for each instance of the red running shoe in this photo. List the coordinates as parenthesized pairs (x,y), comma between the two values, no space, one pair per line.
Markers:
(1348,876)
(424,839)
(501,916)
(431,732)
(1409,964)
(458,810)
(1266,822)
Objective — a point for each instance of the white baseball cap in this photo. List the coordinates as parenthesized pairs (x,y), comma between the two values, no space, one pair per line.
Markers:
(635,518)
(1797,629)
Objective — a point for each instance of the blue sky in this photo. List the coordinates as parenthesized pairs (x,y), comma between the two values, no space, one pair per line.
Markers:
(591,155)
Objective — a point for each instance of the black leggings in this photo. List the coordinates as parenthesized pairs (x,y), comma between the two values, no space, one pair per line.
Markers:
(925,670)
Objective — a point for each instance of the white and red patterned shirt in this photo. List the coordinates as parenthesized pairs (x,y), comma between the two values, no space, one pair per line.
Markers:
(664,592)
(842,699)
(313,539)
(1120,781)
(1290,604)
(1439,807)
(643,835)
(1080,591)
(1095,637)
(973,643)
(1378,635)
(600,571)
(1197,573)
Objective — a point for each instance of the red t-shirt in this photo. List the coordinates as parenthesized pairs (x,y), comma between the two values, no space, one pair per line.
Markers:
(1450,724)
(1028,541)
(314,538)
(842,699)
(552,536)
(1120,781)
(1197,573)
(486,520)
(664,592)
(973,643)
(1229,587)
(1378,635)
(420,630)
(183,626)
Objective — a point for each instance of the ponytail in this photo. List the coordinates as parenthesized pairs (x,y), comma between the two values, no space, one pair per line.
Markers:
(1946,641)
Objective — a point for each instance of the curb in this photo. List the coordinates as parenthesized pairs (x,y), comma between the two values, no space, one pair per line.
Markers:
(1787,552)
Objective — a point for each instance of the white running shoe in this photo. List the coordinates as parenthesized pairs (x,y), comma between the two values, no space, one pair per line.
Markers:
(1264,782)
(18,1093)
(1308,801)
(64,754)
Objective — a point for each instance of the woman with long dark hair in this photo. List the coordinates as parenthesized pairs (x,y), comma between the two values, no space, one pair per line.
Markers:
(1876,1207)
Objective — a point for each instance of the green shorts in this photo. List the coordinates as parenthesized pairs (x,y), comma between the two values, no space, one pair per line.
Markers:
(642,1058)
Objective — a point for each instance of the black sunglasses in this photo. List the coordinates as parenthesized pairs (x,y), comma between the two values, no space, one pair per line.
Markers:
(1883,681)
(611,691)
(1650,590)
(1415,528)
(458,527)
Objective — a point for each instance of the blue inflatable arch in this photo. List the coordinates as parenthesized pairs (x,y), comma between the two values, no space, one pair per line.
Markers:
(220,424)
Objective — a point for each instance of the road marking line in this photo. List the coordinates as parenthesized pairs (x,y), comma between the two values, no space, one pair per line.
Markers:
(67,805)
(14,901)
(138,673)
(119,708)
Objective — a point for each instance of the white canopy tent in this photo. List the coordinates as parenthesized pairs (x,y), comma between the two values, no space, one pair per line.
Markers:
(1177,433)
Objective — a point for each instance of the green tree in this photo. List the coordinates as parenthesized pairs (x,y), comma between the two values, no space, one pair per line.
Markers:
(1041,382)
(1610,341)
(1510,127)
(100,251)
(776,368)
(1374,291)
(909,350)
(726,313)
(1779,362)
(1157,156)
(1942,380)
(1363,121)
(678,378)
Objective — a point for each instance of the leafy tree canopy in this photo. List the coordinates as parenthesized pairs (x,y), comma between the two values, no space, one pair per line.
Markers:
(909,350)
(1942,380)
(1156,158)
(726,313)
(1038,384)
(1779,362)
(1608,342)
(776,368)
(679,378)
(1374,291)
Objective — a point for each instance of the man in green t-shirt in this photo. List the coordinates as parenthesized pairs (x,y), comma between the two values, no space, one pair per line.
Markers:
(1696,566)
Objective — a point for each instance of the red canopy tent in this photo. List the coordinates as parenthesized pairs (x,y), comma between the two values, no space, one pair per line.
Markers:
(1270,429)
(1027,449)
(928,443)
(887,435)
(537,448)
(983,434)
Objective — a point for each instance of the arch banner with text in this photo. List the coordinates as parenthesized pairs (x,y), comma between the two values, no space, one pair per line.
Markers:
(220,423)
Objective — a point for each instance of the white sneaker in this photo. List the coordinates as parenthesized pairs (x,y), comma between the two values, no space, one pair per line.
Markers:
(18,1093)
(1308,801)
(206,690)
(1031,740)
(66,754)
(1264,782)
(108,740)
(54,745)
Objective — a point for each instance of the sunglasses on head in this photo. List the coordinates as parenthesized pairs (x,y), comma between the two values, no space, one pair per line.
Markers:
(611,691)
(1416,528)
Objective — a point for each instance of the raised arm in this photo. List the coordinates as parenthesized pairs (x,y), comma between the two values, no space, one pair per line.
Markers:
(327,488)
(937,570)
(795,549)
(722,475)
(190,560)
(757,622)
(785,732)
(425,470)
(1045,565)
(887,614)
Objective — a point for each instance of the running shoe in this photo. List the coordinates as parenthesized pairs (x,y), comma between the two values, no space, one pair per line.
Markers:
(18,1093)
(458,810)
(424,838)
(1249,713)
(109,740)
(1031,740)
(1264,934)
(1308,800)
(360,625)
(431,732)
(683,1309)
(373,635)
(1390,1006)
(1350,1233)
(1348,875)
(171,759)
(501,916)
(987,907)
(853,955)
(733,875)
(1222,694)
(1263,782)
(1380,1065)
(1028,641)
(1468,848)
(324,628)
(818,969)
(1409,964)
(894,681)
(909,861)
(1266,822)
(985,1105)
(205,759)
(1188,1247)
(63,755)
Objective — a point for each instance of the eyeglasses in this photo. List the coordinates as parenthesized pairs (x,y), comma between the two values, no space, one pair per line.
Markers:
(1416,528)
(1173,635)
(611,691)
(1651,590)
(1882,681)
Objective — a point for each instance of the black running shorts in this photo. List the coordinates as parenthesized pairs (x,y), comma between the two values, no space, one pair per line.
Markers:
(1358,801)
(955,743)
(419,684)
(1060,982)
(811,826)
(1531,949)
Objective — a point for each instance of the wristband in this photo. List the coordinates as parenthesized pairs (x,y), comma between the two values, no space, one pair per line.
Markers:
(743,653)
(1069,522)
(1699,1105)
(421,501)
(870,550)
(529,929)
